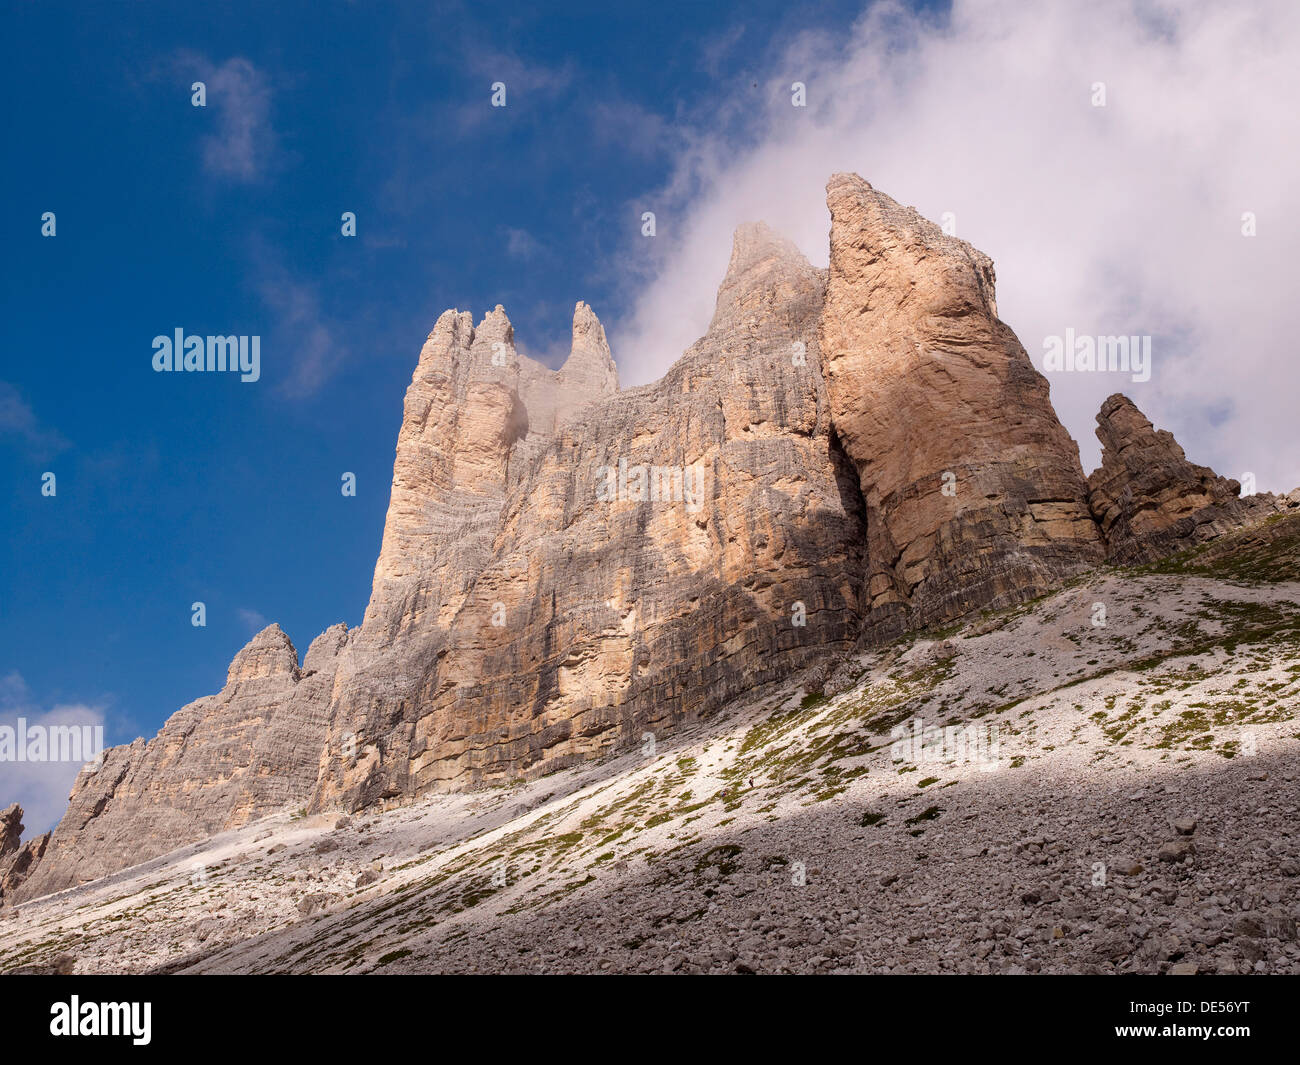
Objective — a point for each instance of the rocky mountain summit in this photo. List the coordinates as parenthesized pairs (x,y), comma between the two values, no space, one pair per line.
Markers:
(11,829)
(846,457)
(221,761)
(16,858)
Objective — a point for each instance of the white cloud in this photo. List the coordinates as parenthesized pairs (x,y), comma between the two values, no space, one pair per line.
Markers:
(252,620)
(527,84)
(40,788)
(1123,219)
(520,244)
(635,130)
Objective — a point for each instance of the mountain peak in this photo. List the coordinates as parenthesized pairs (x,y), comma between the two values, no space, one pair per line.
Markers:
(878,211)
(565,565)
(590,366)
(495,326)
(764,268)
(756,241)
(1149,499)
(269,653)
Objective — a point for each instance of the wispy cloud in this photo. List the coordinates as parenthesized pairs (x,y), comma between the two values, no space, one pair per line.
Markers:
(301,334)
(526,84)
(17,419)
(243,146)
(520,244)
(635,129)
(716,49)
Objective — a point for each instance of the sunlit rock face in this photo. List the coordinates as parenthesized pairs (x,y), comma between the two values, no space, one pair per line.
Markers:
(567,567)
(218,763)
(974,492)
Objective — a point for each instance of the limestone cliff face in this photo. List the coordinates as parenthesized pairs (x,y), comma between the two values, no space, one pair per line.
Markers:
(566,566)
(974,492)
(217,763)
(1149,500)
(562,614)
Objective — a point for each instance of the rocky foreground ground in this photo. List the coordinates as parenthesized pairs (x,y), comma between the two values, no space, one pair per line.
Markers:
(1116,792)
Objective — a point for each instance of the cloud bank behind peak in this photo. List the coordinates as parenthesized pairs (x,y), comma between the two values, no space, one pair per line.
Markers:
(1122,219)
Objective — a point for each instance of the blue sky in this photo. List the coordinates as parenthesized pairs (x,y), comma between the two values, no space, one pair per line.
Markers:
(174,488)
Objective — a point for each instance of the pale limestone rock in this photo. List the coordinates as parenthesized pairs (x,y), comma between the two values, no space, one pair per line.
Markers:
(11,829)
(589,373)
(16,858)
(617,617)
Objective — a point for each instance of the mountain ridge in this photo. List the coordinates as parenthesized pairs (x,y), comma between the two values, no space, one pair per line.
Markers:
(878,456)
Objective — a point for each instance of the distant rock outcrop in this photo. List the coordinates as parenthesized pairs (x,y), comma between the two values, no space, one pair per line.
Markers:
(219,762)
(568,568)
(16,857)
(1149,501)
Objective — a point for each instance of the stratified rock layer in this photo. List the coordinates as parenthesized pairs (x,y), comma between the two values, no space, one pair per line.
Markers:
(974,492)
(1149,500)
(11,829)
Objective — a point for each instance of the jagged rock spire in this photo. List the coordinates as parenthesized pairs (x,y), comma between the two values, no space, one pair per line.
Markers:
(217,763)
(766,272)
(589,370)
(269,653)
(16,858)
(11,829)
(868,442)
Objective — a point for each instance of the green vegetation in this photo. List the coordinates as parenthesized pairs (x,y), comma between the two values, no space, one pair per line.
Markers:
(393,955)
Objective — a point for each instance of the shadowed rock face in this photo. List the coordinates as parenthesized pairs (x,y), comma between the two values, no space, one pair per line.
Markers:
(927,388)
(1149,500)
(567,567)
